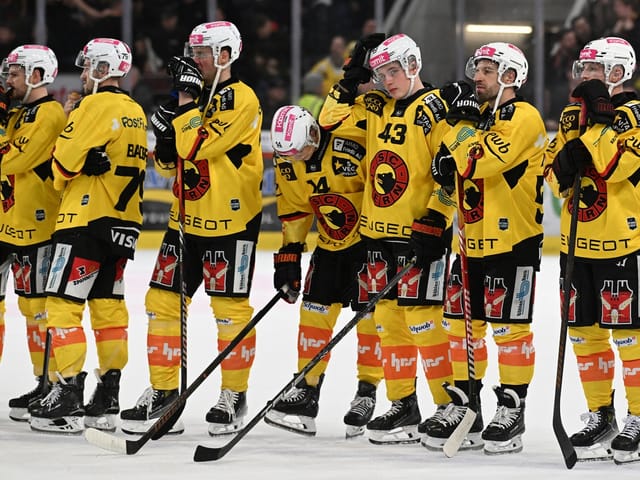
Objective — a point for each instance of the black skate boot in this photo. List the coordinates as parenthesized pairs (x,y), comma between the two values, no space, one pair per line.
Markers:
(61,411)
(19,406)
(504,432)
(103,407)
(398,425)
(433,419)
(298,409)
(361,409)
(625,444)
(593,442)
(226,416)
(438,432)
(151,405)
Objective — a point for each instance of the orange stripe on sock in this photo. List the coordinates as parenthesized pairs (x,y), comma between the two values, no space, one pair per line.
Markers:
(35,339)
(62,337)
(597,366)
(518,353)
(369,350)
(240,357)
(107,334)
(631,373)
(458,349)
(399,362)
(435,361)
(311,340)
(163,351)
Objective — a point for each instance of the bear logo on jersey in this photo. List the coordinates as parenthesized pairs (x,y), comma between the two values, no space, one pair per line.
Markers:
(197,180)
(389,178)
(593,196)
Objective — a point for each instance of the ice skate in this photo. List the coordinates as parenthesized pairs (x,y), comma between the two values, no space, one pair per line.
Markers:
(297,411)
(625,444)
(593,442)
(19,406)
(361,409)
(61,411)
(102,410)
(398,425)
(226,416)
(504,432)
(151,405)
(444,423)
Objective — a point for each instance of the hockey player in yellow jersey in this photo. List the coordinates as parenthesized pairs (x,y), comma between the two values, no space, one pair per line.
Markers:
(30,203)
(604,284)
(319,175)
(217,131)
(404,214)
(496,148)
(99,165)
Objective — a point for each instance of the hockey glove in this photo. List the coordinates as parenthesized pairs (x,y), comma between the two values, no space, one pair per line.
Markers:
(165,154)
(356,70)
(161,122)
(5,100)
(462,102)
(288,272)
(573,157)
(426,242)
(97,162)
(186,76)
(443,168)
(595,95)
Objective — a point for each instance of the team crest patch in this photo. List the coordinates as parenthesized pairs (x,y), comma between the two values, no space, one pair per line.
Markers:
(197,180)
(593,196)
(374,102)
(473,206)
(337,215)
(389,177)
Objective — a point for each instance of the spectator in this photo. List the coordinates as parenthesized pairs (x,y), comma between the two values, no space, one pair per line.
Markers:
(312,98)
(330,67)
(167,40)
(558,75)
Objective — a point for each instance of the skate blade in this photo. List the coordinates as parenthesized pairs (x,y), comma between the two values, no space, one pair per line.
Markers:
(598,452)
(513,445)
(397,436)
(621,457)
(139,427)
(299,424)
(473,441)
(223,429)
(19,414)
(63,425)
(106,423)
(353,431)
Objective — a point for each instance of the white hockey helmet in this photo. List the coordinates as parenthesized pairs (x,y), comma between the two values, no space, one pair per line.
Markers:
(31,57)
(216,35)
(608,51)
(293,128)
(507,56)
(398,48)
(109,52)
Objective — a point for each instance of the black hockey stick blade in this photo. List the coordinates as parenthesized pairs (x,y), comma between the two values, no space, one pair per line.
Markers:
(206,454)
(566,447)
(111,442)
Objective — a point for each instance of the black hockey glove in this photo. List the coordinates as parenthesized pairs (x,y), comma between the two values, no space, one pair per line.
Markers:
(462,102)
(186,76)
(427,243)
(356,71)
(595,95)
(573,157)
(161,122)
(165,154)
(5,100)
(443,168)
(288,272)
(97,162)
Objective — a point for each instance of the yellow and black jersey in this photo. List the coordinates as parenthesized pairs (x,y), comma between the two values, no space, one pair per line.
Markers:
(608,214)
(222,180)
(501,162)
(29,201)
(399,187)
(329,185)
(112,119)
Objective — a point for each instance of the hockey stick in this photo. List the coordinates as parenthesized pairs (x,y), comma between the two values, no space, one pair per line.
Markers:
(44,386)
(566,447)
(453,443)
(120,445)
(205,454)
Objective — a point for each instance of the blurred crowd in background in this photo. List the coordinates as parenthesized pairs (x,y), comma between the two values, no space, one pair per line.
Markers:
(161,27)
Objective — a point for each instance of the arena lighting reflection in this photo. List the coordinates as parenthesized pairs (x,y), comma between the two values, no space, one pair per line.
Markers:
(513,29)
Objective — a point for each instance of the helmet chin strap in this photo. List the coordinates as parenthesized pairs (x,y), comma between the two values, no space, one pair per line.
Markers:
(496,103)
